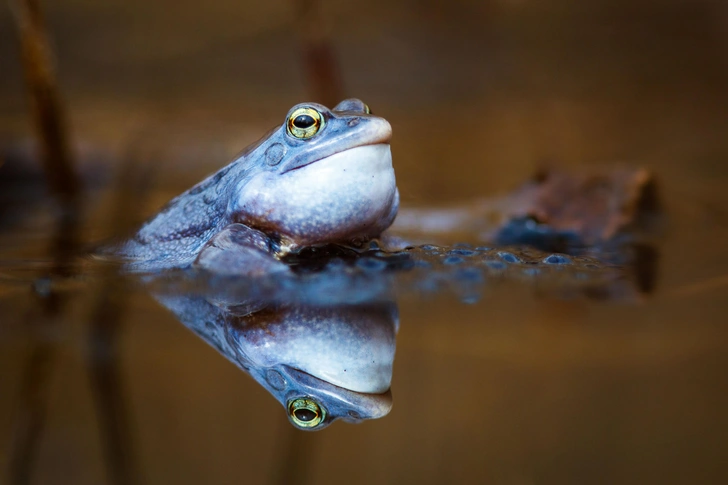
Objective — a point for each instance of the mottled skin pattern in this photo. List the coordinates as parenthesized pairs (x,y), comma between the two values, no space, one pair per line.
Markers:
(283,193)
(175,235)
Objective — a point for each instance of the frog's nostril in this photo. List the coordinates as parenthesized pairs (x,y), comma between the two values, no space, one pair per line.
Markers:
(354,121)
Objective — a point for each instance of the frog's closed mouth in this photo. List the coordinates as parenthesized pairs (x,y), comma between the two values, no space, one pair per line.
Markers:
(377,155)
(331,402)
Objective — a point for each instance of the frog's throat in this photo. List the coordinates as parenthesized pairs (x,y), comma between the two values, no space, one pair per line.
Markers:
(348,196)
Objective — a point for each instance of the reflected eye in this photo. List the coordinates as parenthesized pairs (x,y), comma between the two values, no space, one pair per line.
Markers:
(305,412)
(304,123)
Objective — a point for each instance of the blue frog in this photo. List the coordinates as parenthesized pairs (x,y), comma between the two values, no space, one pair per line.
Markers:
(322,363)
(322,177)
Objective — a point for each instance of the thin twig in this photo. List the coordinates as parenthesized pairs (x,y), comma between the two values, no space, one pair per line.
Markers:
(319,60)
(35,380)
(63,183)
(29,419)
(48,112)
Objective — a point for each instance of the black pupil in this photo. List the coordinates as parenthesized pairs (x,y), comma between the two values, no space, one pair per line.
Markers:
(303,121)
(304,415)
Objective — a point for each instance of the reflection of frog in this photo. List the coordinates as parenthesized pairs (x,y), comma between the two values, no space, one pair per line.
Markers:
(324,176)
(322,363)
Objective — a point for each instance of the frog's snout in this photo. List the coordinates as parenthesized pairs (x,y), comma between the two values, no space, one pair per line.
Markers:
(380,131)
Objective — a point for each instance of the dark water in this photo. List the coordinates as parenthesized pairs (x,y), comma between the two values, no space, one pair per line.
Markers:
(502,374)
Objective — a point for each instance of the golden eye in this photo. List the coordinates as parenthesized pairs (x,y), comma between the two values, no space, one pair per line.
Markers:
(305,412)
(366,109)
(305,122)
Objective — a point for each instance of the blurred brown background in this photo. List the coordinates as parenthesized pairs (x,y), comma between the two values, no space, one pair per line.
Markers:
(497,86)
(516,389)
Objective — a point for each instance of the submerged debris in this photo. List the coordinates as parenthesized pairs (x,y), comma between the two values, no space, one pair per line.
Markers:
(334,275)
(555,211)
(582,209)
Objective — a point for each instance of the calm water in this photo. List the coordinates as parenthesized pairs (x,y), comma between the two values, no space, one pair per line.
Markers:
(500,375)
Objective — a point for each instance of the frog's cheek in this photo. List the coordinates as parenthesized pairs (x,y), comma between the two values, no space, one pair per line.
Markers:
(255,200)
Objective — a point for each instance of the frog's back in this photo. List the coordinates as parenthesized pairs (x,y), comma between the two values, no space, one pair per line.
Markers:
(175,235)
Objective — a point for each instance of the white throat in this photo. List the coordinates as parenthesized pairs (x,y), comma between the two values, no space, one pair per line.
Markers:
(351,194)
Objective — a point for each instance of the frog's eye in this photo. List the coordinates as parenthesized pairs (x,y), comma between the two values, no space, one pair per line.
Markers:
(366,109)
(304,123)
(306,413)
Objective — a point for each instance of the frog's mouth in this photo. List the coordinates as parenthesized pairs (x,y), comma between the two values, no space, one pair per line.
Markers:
(363,158)
(338,399)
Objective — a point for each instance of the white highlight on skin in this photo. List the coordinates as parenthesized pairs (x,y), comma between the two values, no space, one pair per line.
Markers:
(348,353)
(351,194)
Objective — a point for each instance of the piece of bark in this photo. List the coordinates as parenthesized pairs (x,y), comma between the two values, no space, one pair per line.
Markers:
(595,206)
(554,211)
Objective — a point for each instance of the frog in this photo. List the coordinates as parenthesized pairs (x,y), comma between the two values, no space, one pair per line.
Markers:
(322,363)
(324,176)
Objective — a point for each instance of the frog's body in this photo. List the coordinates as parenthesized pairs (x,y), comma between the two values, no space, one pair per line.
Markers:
(338,358)
(300,185)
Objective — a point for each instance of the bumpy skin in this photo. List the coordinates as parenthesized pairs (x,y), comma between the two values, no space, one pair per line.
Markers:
(281,194)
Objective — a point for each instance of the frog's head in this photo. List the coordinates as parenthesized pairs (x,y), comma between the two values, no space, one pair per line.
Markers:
(321,363)
(324,176)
